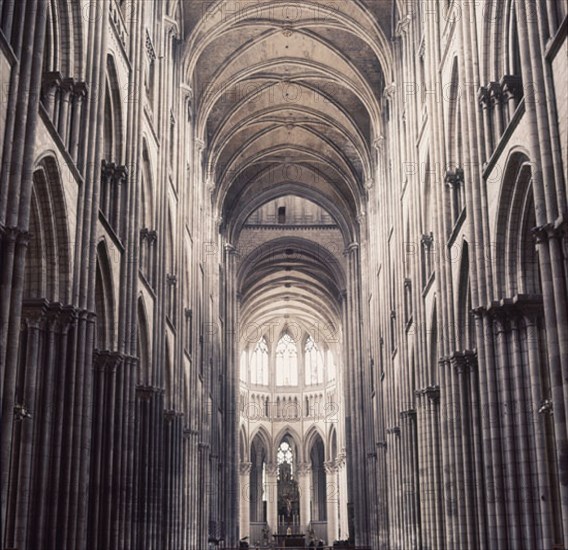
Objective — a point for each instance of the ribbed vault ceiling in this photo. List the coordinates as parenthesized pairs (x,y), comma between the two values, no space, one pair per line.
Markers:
(281,84)
(291,278)
(287,101)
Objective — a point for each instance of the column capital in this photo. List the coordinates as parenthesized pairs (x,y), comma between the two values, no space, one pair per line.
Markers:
(389,91)
(245,468)
(483,96)
(80,89)
(379,142)
(353,247)
(455,178)
(330,467)
(304,468)
(272,469)
(68,84)
(199,145)
(52,79)
(34,311)
(403,25)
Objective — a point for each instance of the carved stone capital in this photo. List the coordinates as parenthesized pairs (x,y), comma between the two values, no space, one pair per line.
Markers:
(427,240)
(511,87)
(51,81)
(389,91)
(351,248)
(495,93)
(483,96)
(330,467)
(304,468)
(107,361)
(403,25)
(455,178)
(80,90)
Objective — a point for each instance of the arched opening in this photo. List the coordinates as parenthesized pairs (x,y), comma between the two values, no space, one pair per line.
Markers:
(319,489)
(143,344)
(313,363)
(286,361)
(288,488)
(259,363)
(258,482)
(104,300)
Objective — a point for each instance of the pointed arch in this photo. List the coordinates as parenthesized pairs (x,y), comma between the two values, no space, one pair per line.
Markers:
(433,351)
(292,435)
(286,361)
(316,456)
(313,434)
(313,363)
(64,42)
(466,323)
(144,351)
(113,131)
(258,363)
(332,447)
(104,299)
(146,189)
(243,447)
(48,259)
(516,257)
(262,435)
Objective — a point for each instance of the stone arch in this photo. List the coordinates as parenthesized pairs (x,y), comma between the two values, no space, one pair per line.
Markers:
(311,436)
(316,458)
(104,299)
(64,49)
(501,55)
(294,437)
(144,343)
(454,135)
(332,444)
(466,322)
(433,351)
(262,434)
(48,261)
(516,260)
(169,377)
(244,455)
(146,189)
(113,129)
(260,457)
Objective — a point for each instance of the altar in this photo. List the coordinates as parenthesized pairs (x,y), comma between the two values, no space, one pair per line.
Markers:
(290,541)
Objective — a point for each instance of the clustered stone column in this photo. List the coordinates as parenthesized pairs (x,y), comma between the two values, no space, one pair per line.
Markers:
(63,100)
(244,493)
(486,474)
(305,490)
(332,492)
(271,493)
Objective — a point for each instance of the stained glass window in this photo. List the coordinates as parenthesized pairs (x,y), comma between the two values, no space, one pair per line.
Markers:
(243,369)
(331,371)
(286,362)
(313,363)
(285,456)
(259,363)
